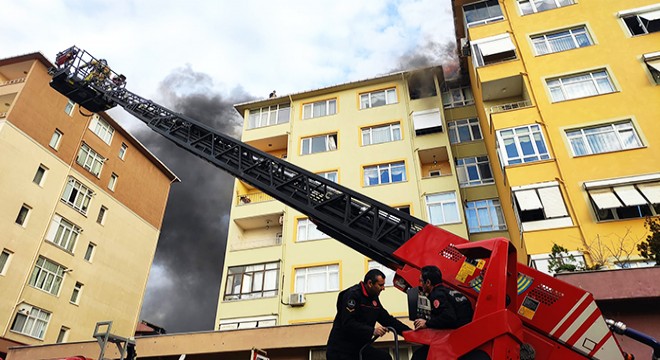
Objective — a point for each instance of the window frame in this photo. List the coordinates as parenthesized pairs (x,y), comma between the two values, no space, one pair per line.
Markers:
(59,135)
(69,107)
(5,261)
(41,174)
(328,105)
(112,183)
(392,127)
(366,98)
(327,269)
(101,128)
(310,229)
(90,252)
(37,318)
(23,215)
(544,260)
(537,155)
(328,175)
(255,118)
(561,84)
(235,323)
(454,130)
(636,14)
(230,293)
(507,53)
(463,166)
(540,200)
(63,233)
(469,24)
(571,136)
(63,335)
(122,151)
(387,167)
(624,199)
(652,63)
(76,293)
(90,160)
(103,214)
(308,142)
(450,101)
(440,204)
(45,279)
(534,9)
(494,212)
(82,198)
(572,33)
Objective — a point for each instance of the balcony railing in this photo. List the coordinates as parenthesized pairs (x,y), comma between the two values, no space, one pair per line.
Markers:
(510,106)
(252,198)
(254,244)
(12,82)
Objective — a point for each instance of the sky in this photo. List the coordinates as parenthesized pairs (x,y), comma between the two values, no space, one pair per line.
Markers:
(202,57)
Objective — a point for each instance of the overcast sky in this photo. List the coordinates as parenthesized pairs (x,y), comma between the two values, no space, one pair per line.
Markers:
(200,58)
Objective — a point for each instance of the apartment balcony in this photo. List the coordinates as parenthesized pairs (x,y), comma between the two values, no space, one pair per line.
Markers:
(531,172)
(8,91)
(500,67)
(436,169)
(258,232)
(260,135)
(254,203)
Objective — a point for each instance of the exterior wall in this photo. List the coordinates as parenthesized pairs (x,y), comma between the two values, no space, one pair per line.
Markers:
(252,224)
(114,279)
(634,98)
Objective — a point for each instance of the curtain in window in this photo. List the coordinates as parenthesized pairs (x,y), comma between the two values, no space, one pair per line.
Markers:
(332,143)
(602,139)
(398,172)
(380,135)
(371,176)
(378,99)
(579,86)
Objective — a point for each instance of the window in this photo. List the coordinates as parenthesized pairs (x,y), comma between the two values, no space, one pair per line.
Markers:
(381,134)
(113,182)
(5,255)
(579,86)
(484,215)
(55,140)
(90,160)
(102,213)
(442,208)
(464,131)
(492,50)
(247,323)
(483,12)
(75,295)
(521,145)
(427,121)
(385,173)
(77,195)
(101,128)
(474,171)
(89,253)
(23,215)
(317,144)
(389,273)
(307,231)
(63,335)
(122,151)
(561,40)
(652,62)
(68,109)
(252,281)
(534,6)
(320,108)
(541,262)
(626,198)
(40,175)
(642,21)
(63,233)
(330,175)
(603,138)
(269,115)
(317,279)
(540,206)
(378,98)
(47,276)
(457,97)
(31,321)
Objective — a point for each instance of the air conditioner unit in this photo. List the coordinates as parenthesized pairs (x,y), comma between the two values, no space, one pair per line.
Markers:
(297,299)
(281,220)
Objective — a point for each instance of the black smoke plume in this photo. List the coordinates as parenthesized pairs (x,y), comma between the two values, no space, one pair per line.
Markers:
(183,287)
(431,54)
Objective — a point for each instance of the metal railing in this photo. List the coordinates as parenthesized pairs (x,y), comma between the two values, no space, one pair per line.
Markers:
(510,106)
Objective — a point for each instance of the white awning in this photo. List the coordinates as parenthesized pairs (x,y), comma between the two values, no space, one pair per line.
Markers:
(605,199)
(629,195)
(655,64)
(496,46)
(651,15)
(651,191)
(528,200)
(427,119)
(553,202)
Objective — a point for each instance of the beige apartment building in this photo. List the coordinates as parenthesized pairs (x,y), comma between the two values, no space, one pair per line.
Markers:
(82,204)
(396,138)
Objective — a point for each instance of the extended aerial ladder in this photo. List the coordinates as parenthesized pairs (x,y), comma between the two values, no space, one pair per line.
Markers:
(514,304)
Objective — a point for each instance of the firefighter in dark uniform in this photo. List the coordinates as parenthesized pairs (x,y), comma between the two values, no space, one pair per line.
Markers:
(449,308)
(358,310)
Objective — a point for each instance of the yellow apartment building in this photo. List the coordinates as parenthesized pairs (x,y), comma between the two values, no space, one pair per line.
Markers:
(396,138)
(82,203)
(567,95)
